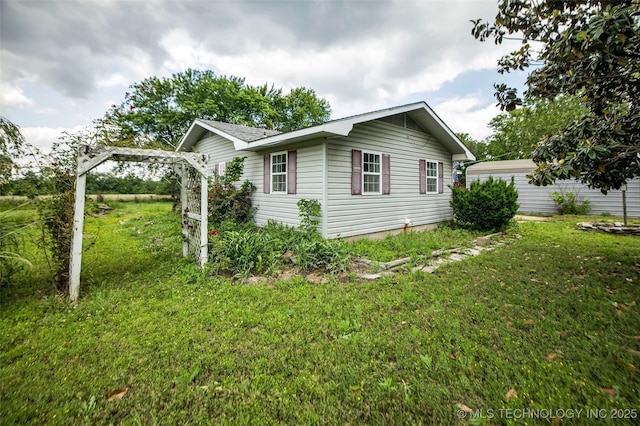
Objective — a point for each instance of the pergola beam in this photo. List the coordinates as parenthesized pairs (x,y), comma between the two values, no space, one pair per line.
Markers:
(91,157)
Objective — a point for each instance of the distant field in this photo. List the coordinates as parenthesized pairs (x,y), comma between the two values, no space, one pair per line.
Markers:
(106,197)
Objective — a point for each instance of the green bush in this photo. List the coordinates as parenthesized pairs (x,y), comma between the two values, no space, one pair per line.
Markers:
(244,252)
(227,200)
(486,206)
(567,203)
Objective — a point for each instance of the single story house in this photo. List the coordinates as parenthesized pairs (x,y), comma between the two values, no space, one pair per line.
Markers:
(372,173)
(537,199)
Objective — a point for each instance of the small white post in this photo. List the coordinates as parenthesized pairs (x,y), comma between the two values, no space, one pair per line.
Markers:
(183,199)
(204,222)
(76,239)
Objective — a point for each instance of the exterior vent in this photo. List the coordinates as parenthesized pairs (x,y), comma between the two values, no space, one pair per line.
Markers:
(403,120)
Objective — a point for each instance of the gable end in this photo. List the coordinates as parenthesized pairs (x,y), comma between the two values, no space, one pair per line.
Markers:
(403,120)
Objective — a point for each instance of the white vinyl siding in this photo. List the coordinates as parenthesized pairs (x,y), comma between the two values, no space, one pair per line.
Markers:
(284,209)
(219,150)
(432,177)
(349,215)
(371,173)
(537,199)
(279,173)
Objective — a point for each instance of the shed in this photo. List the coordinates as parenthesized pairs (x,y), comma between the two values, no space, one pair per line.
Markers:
(537,199)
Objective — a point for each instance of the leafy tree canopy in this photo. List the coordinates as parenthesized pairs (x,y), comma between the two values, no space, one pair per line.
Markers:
(584,48)
(12,145)
(157,112)
(517,133)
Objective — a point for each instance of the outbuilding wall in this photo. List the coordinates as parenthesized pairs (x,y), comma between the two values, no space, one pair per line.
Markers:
(538,199)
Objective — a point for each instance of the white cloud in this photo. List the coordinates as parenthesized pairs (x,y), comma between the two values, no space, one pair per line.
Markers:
(44,137)
(11,96)
(469,114)
(115,79)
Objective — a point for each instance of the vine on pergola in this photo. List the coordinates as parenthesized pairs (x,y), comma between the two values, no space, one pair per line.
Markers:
(192,168)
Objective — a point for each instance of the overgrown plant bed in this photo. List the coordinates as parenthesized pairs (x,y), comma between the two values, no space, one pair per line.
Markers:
(548,322)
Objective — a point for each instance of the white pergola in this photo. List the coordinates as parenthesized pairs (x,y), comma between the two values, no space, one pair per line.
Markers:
(192,168)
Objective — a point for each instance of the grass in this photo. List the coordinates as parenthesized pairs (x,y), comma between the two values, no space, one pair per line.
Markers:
(553,316)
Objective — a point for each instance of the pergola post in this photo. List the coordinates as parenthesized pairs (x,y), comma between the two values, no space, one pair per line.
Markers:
(183,212)
(76,241)
(204,223)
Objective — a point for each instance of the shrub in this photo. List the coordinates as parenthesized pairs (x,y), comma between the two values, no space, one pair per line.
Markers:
(315,252)
(567,203)
(227,201)
(486,206)
(244,252)
(57,209)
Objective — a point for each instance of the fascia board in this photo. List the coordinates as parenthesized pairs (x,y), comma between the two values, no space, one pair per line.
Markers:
(187,143)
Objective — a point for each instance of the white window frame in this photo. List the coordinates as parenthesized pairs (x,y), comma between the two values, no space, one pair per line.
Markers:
(221,168)
(379,173)
(273,174)
(427,177)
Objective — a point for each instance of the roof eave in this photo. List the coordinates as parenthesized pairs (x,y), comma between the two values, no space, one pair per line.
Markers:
(194,134)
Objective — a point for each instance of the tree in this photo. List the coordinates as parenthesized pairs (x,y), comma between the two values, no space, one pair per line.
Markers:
(478,148)
(589,49)
(11,146)
(517,133)
(157,112)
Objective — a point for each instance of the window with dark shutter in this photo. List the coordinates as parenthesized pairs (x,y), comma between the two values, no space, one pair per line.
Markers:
(440,177)
(431,177)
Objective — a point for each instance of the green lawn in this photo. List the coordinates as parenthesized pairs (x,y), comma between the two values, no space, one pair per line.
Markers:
(550,322)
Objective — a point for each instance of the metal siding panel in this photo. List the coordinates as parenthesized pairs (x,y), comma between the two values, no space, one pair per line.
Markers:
(538,199)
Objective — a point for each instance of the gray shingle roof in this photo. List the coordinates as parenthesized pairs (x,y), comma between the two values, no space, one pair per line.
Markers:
(245,133)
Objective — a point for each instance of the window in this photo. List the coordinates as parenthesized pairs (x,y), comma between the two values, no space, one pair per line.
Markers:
(279,173)
(432,177)
(370,173)
(220,168)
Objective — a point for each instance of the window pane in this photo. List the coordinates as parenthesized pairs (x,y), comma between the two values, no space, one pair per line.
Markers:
(432,184)
(371,183)
(432,169)
(279,183)
(371,163)
(279,163)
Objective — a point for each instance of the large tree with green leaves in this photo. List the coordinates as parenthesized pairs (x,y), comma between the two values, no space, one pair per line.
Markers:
(12,145)
(517,133)
(584,48)
(156,112)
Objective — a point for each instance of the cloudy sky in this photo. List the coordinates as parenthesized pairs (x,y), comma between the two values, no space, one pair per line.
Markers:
(64,62)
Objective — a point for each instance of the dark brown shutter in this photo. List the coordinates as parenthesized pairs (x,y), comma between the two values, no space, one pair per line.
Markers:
(292,158)
(386,174)
(266,174)
(440,177)
(422,167)
(356,172)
